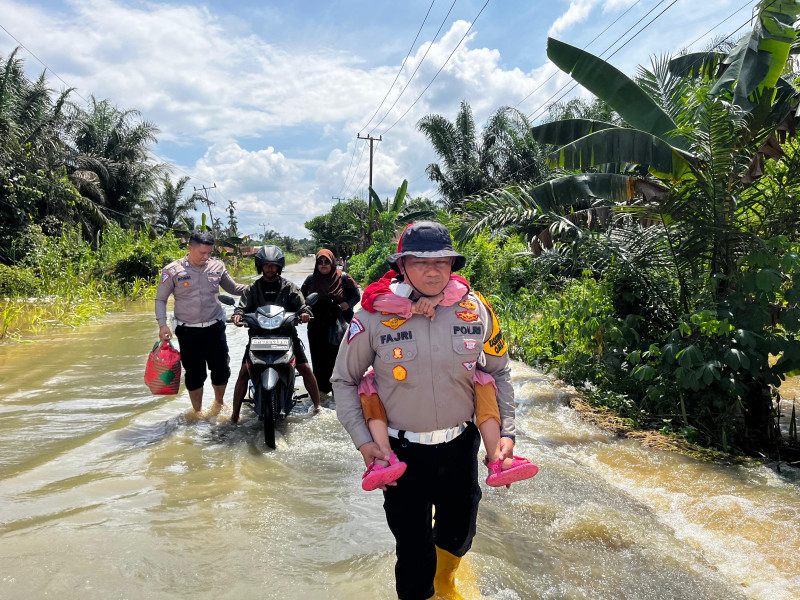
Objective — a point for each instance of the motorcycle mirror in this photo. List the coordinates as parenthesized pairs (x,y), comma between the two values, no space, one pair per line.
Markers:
(227,300)
(312,298)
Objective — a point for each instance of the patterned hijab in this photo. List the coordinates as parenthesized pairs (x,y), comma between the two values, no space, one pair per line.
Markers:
(330,285)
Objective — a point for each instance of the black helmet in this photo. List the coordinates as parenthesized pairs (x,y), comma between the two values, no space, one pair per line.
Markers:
(269,254)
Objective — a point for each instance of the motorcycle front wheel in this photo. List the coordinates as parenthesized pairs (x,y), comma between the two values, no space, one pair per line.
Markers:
(270,416)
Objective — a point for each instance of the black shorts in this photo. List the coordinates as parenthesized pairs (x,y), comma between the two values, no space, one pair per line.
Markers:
(201,347)
(298,346)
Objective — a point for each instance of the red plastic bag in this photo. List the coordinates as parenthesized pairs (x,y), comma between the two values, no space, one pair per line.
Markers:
(163,371)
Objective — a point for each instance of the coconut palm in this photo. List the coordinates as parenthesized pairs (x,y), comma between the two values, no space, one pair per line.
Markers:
(503,153)
(169,205)
(111,146)
(685,208)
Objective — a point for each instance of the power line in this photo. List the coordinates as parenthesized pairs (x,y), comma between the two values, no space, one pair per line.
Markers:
(554,73)
(401,66)
(43,63)
(440,68)
(438,192)
(546,103)
(415,70)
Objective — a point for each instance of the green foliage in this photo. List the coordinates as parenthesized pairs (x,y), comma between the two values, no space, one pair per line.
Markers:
(17,281)
(370,266)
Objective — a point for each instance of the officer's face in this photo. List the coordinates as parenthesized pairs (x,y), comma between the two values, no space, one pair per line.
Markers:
(428,275)
(270,271)
(199,253)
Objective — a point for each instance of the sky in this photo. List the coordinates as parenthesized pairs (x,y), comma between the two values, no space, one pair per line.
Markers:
(263,101)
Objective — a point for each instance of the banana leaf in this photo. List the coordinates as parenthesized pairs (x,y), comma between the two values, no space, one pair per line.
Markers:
(615,88)
(560,133)
(557,193)
(624,145)
(697,64)
(758,60)
(400,196)
(377,206)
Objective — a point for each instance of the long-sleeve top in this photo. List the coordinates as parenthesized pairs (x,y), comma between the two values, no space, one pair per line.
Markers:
(423,367)
(196,291)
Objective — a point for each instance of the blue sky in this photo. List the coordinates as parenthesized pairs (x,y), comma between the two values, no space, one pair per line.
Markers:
(265,98)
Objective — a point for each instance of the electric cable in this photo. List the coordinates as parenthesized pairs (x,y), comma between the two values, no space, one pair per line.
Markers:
(401,66)
(43,63)
(416,69)
(554,73)
(440,69)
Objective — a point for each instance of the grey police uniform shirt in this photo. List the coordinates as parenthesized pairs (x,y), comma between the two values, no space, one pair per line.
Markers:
(196,291)
(423,368)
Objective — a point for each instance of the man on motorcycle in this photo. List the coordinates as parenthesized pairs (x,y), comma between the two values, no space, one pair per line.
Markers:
(271,288)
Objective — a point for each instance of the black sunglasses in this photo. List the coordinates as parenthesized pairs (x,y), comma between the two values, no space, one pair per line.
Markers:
(323,261)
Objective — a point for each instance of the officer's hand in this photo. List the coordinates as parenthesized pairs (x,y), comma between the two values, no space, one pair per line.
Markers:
(305,318)
(371,451)
(164,333)
(235,319)
(506,446)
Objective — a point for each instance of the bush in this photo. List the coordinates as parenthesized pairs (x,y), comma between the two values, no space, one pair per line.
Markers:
(17,281)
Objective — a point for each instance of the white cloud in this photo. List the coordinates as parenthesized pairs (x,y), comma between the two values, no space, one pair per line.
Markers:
(577,12)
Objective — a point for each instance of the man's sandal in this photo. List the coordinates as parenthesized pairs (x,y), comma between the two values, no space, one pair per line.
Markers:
(377,475)
(521,468)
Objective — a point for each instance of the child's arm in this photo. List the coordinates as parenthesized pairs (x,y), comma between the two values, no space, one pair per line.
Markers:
(392,303)
(455,290)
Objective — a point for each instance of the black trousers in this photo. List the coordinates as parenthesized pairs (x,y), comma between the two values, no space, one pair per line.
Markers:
(444,476)
(323,354)
(201,346)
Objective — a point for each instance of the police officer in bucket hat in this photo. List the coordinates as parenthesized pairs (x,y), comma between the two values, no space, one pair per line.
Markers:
(423,372)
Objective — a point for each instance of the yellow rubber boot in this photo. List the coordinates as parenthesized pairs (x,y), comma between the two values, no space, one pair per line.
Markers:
(444,582)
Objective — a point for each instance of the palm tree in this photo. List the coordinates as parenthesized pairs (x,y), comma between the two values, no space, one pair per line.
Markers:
(111,146)
(169,205)
(685,207)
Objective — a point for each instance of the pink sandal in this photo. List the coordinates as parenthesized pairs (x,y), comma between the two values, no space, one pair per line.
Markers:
(377,475)
(521,468)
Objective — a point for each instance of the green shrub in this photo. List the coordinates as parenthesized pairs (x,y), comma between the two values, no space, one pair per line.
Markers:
(17,281)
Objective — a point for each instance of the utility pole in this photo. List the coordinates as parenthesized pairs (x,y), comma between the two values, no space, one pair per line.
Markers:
(337,198)
(371,140)
(205,189)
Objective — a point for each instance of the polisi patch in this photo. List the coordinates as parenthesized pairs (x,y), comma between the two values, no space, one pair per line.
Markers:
(469,365)
(394,322)
(467,330)
(397,353)
(213,280)
(355,328)
(400,336)
(467,316)
(470,344)
(399,373)
(468,304)
(164,276)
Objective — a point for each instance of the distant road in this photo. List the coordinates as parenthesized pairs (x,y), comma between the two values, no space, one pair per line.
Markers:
(300,269)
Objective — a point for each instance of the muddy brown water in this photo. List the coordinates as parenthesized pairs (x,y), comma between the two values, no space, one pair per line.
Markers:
(109,492)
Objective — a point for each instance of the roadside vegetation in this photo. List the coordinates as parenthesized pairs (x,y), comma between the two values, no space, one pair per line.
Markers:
(642,243)
(644,246)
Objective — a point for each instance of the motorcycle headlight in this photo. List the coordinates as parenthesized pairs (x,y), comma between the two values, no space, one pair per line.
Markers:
(270,322)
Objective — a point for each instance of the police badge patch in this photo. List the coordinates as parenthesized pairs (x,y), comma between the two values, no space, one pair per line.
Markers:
(355,328)
(470,365)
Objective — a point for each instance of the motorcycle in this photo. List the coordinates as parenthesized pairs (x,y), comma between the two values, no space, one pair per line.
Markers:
(270,364)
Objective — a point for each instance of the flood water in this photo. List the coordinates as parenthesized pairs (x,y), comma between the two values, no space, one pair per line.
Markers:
(109,492)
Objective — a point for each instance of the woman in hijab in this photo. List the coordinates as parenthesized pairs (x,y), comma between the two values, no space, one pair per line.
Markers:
(338,293)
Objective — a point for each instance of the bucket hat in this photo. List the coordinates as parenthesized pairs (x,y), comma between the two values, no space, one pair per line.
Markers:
(426,239)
